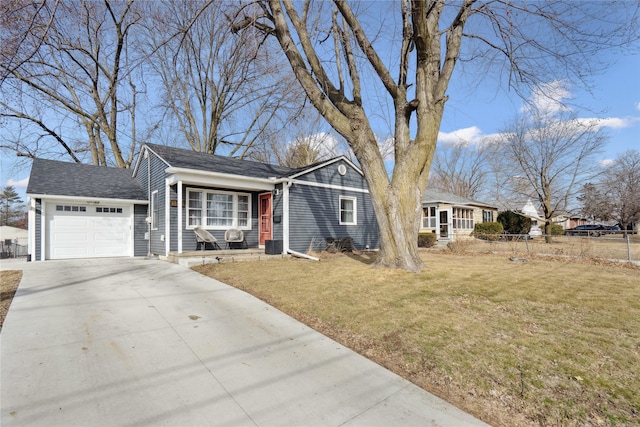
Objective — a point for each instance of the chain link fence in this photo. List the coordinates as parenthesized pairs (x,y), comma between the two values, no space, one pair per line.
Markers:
(612,247)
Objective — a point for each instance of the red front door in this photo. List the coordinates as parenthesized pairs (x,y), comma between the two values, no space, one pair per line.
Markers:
(264,201)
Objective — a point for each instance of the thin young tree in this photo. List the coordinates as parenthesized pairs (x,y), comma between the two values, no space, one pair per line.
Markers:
(552,155)
(342,53)
(11,207)
(461,168)
(616,195)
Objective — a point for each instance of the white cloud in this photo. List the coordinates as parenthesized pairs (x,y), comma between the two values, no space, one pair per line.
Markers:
(468,136)
(638,106)
(18,184)
(548,98)
(463,136)
(606,162)
(608,122)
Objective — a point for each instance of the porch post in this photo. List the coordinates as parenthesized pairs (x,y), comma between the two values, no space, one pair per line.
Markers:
(179,225)
(285,216)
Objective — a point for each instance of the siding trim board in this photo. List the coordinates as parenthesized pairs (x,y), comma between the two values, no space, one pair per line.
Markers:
(330,186)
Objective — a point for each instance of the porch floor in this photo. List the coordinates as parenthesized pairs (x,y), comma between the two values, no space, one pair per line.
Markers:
(191,258)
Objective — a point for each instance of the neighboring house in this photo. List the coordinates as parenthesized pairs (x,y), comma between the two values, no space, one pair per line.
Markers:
(80,211)
(569,221)
(451,216)
(530,211)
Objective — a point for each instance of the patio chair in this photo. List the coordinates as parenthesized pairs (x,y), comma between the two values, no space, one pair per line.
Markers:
(235,239)
(203,237)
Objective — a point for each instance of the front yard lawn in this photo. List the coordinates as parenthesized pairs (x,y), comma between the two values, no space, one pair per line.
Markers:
(544,342)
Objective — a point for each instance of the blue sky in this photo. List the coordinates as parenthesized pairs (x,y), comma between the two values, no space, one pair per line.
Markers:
(614,98)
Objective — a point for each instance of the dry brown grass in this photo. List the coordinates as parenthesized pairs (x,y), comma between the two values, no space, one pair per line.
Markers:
(545,342)
(9,281)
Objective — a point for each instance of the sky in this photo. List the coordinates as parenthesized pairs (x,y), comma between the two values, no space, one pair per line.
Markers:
(480,111)
(614,100)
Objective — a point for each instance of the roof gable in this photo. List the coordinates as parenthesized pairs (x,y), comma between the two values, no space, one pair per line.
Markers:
(56,178)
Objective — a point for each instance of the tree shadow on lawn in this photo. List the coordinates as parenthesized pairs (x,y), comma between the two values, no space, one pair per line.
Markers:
(367,258)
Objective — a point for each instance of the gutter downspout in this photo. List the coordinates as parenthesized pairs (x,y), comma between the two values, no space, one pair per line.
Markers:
(301,255)
(149,207)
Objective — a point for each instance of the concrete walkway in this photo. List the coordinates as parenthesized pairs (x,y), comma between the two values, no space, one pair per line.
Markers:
(131,342)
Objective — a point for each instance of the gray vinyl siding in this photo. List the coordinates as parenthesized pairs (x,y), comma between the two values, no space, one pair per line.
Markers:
(314,216)
(140,227)
(38,248)
(156,176)
(329,175)
(278,219)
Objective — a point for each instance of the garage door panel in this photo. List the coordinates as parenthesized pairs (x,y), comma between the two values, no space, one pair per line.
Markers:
(85,232)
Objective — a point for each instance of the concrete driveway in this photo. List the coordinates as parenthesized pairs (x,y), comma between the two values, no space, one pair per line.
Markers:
(132,342)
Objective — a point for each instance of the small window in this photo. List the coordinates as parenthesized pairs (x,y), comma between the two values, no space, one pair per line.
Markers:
(487,216)
(98,209)
(429,217)
(83,208)
(348,213)
(119,210)
(67,208)
(59,207)
(75,208)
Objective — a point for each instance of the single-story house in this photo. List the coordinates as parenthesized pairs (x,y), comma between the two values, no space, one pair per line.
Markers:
(451,216)
(83,211)
(570,221)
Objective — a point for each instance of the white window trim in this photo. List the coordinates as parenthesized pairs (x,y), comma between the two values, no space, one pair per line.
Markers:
(429,221)
(461,221)
(355,210)
(204,209)
(154,207)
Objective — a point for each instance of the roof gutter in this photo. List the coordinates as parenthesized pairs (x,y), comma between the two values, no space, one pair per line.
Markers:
(94,200)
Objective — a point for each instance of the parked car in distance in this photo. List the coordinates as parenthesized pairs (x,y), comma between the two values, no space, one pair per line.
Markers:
(586,230)
(612,229)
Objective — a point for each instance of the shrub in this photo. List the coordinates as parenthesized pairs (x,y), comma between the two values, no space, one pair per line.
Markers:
(427,240)
(557,230)
(488,230)
(514,223)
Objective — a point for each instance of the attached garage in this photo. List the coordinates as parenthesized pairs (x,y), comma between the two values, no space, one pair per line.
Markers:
(85,211)
(88,231)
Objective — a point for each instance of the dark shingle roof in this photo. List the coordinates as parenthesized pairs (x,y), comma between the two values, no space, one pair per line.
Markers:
(181,158)
(55,178)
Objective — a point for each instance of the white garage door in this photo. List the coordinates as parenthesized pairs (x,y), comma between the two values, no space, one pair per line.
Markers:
(87,231)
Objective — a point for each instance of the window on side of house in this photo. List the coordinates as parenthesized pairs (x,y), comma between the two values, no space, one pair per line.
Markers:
(155,210)
(462,218)
(348,211)
(429,217)
(487,216)
(218,210)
